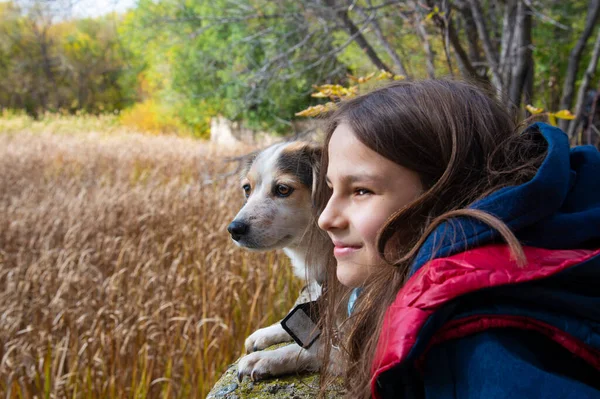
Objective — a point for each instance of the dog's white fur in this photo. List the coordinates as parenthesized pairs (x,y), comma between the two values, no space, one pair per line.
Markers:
(279,223)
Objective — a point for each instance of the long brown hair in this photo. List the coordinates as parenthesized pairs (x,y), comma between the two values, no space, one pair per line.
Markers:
(464,145)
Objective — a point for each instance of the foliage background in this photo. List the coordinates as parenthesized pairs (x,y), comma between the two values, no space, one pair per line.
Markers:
(171,65)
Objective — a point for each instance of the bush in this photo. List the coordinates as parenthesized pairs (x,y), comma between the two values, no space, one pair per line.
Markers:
(150,116)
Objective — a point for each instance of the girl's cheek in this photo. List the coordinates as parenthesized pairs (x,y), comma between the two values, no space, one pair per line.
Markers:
(369,225)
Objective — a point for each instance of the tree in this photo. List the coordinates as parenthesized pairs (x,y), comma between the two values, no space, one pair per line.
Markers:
(51,64)
(575,57)
(256,60)
(221,57)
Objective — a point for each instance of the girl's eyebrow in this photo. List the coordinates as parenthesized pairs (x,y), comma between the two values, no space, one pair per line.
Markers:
(349,179)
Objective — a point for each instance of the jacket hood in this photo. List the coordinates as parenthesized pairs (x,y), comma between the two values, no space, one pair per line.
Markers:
(558,209)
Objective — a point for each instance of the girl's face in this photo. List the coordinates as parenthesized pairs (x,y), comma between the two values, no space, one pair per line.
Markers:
(367,189)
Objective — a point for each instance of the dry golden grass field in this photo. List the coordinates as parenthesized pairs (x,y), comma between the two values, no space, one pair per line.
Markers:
(117,276)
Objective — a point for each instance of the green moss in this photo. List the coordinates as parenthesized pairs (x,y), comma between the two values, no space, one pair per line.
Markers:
(302,386)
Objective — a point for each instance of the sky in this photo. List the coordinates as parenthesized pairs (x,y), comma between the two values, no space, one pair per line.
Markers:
(94,8)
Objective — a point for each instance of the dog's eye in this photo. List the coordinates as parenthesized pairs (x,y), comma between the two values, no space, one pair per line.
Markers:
(246,188)
(281,190)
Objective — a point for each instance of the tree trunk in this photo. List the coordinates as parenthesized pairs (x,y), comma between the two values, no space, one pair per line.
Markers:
(589,73)
(528,86)
(422,33)
(488,48)
(523,54)
(359,38)
(464,64)
(472,39)
(566,99)
(590,122)
(445,31)
(506,46)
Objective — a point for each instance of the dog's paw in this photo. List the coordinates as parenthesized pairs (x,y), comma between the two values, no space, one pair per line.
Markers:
(266,337)
(256,366)
(272,363)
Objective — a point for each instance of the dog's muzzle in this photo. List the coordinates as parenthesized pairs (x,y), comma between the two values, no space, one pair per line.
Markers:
(237,230)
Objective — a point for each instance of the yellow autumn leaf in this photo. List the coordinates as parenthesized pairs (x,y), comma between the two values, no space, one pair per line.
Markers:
(361,79)
(327,87)
(436,10)
(399,77)
(351,91)
(329,106)
(564,114)
(552,119)
(330,91)
(317,109)
(339,91)
(533,110)
(322,87)
(384,75)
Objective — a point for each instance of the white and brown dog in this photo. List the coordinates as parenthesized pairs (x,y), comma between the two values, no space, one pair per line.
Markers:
(278,184)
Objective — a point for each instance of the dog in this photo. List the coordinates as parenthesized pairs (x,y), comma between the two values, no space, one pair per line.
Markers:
(278,183)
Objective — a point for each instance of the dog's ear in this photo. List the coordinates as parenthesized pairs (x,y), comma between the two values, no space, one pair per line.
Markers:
(301,159)
(314,152)
(245,163)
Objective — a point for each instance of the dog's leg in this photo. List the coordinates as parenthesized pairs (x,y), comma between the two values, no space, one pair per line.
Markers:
(285,360)
(265,337)
(275,334)
(288,359)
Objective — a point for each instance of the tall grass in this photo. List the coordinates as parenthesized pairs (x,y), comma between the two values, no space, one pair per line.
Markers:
(117,276)
(15,122)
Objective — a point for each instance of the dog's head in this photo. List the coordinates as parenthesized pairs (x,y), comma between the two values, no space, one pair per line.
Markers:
(277,184)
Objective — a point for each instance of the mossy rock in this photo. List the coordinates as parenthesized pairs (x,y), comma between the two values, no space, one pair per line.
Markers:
(301,386)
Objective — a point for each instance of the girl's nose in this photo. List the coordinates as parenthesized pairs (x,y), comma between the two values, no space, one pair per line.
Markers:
(331,218)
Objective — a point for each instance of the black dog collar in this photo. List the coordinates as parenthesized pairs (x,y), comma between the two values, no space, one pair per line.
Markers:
(302,324)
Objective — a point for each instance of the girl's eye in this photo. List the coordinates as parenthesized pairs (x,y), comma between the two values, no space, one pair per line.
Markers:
(281,190)
(362,191)
(246,188)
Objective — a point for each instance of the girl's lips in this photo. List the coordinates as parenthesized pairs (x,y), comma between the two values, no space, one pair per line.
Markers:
(340,251)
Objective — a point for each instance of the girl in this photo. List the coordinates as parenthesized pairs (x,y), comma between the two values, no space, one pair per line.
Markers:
(472,249)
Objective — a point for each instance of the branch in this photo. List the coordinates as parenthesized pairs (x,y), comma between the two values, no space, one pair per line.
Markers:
(488,48)
(544,17)
(472,38)
(590,121)
(422,33)
(327,55)
(384,42)
(361,40)
(446,34)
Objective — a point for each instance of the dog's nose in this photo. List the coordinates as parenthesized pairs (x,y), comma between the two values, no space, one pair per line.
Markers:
(237,229)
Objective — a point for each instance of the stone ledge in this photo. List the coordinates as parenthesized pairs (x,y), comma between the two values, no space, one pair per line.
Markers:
(302,386)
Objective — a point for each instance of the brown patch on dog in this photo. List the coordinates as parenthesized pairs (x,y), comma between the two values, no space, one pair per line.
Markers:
(300,159)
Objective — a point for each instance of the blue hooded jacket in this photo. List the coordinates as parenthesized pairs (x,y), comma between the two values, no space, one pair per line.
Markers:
(470,323)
